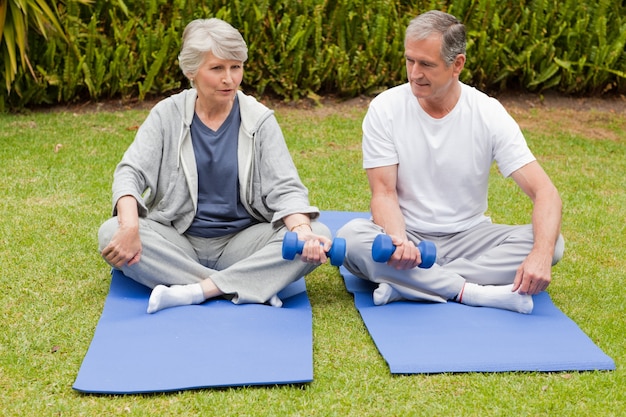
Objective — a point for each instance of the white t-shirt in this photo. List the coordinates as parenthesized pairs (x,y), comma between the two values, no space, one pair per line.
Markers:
(443,164)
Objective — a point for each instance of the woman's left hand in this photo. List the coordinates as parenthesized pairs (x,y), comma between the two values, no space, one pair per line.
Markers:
(315,246)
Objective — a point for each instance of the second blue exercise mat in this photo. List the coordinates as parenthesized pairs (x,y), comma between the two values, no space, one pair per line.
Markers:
(417,337)
(215,344)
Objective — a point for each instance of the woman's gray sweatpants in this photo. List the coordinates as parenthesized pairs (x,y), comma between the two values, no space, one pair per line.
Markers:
(247,266)
(488,254)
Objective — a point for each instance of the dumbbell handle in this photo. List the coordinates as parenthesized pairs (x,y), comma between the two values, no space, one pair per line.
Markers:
(292,246)
(383,248)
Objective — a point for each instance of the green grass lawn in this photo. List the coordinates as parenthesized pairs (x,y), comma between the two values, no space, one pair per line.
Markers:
(55,183)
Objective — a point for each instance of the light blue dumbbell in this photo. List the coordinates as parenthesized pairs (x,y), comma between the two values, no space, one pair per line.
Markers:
(293,246)
(383,248)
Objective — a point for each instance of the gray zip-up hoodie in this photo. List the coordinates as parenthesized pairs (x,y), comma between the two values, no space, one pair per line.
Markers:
(159,167)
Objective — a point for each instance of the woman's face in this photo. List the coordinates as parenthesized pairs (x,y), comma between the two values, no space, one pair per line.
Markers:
(217,80)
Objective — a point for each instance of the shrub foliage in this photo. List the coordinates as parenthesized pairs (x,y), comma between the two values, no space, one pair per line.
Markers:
(303,48)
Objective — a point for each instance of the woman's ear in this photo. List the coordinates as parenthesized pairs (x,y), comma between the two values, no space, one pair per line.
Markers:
(190,77)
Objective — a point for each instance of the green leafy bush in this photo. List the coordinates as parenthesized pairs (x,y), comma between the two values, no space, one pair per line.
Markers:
(304,48)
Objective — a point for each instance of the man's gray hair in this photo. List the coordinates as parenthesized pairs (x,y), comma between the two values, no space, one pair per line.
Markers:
(210,35)
(451,30)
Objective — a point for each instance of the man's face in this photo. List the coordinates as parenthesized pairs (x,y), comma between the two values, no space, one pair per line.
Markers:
(428,74)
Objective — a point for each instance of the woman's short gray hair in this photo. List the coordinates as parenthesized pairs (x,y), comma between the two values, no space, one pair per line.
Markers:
(451,30)
(210,35)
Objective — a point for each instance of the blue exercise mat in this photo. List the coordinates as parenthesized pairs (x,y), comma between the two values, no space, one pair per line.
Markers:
(417,337)
(214,344)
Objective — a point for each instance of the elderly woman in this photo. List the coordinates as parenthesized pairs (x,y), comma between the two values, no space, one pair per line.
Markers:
(205,193)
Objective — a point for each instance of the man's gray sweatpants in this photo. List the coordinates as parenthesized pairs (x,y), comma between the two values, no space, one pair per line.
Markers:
(247,266)
(488,254)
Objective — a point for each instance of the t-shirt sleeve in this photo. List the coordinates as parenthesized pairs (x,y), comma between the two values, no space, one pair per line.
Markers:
(511,151)
(378,146)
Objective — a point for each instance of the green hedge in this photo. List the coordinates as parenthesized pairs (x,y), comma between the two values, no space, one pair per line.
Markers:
(306,48)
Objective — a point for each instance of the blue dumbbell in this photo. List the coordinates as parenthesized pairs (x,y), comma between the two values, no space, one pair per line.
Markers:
(383,247)
(293,246)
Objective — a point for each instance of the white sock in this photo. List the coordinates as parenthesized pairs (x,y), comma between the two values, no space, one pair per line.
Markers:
(497,296)
(385,293)
(176,295)
(275,301)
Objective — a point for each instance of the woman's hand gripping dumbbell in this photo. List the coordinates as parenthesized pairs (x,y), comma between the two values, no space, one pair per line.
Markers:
(293,246)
